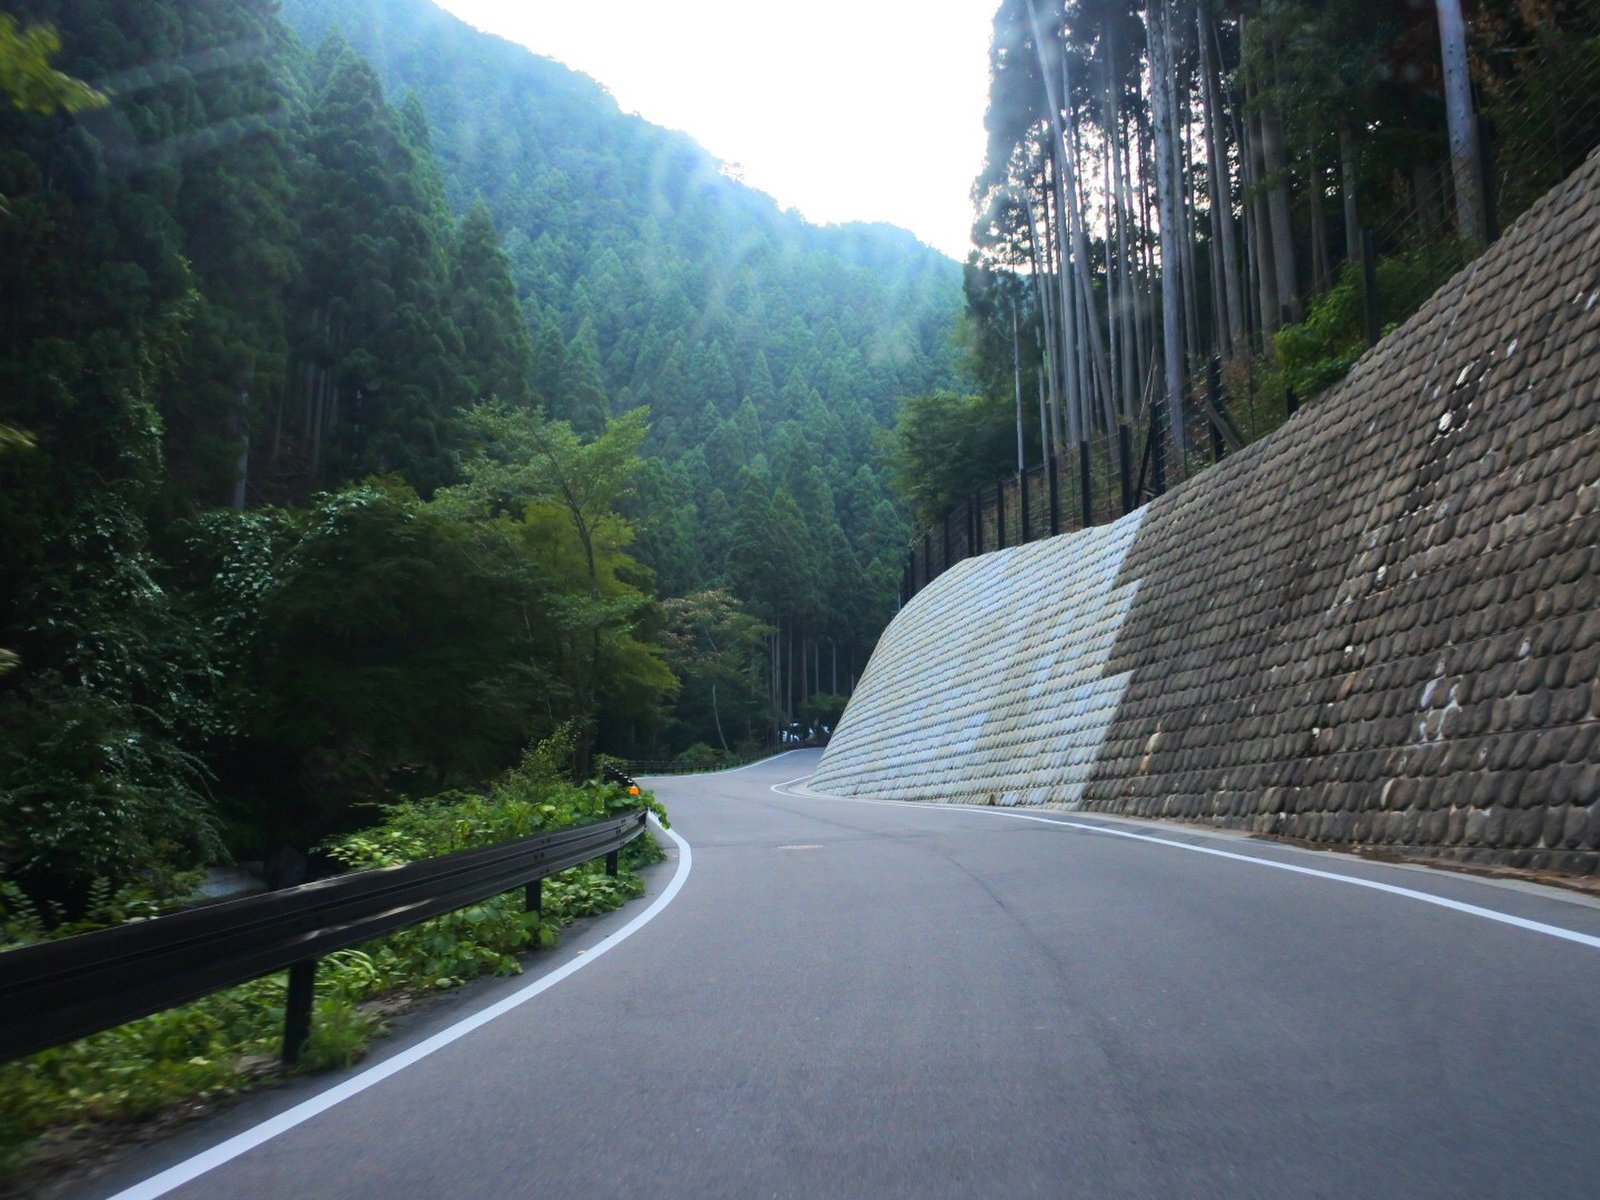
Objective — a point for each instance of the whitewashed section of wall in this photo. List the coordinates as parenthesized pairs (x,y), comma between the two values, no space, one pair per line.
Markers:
(990,685)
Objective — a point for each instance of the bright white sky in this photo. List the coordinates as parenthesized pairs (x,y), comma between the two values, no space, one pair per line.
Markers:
(847,110)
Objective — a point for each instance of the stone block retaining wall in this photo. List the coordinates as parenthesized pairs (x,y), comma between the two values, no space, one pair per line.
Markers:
(1379,625)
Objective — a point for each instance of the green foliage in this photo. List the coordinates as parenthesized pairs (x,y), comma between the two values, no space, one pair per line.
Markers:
(496,348)
(29,81)
(218,1044)
(822,711)
(1315,353)
(535,796)
(545,494)
(650,278)
(714,648)
(89,794)
(258,286)
(946,446)
(371,640)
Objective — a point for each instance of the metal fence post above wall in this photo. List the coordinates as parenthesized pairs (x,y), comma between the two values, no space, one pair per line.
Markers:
(1158,450)
(1219,447)
(1053,471)
(1085,490)
(1369,285)
(1125,467)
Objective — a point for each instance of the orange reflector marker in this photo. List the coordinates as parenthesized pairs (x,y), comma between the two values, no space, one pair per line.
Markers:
(633,790)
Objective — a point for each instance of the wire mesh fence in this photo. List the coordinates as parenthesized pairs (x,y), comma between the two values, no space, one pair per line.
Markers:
(1539,120)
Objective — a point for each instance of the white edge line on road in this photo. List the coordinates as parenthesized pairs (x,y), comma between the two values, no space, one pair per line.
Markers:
(1474,910)
(216,1156)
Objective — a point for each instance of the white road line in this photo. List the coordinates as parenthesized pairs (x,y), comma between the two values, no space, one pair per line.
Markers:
(1474,910)
(207,1160)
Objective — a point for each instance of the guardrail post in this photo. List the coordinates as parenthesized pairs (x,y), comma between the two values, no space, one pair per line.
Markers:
(533,896)
(297,1003)
(612,863)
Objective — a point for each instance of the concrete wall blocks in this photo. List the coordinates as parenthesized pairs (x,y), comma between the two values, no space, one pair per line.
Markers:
(1381,624)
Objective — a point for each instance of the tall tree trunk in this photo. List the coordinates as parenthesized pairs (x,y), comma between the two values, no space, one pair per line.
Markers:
(1319,226)
(1266,271)
(1347,176)
(1219,179)
(1279,213)
(1462,117)
(1097,365)
(1044,428)
(1252,261)
(1133,332)
(316,422)
(1016,375)
(277,428)
(1117,286)
(1074,241)
(1183,169)
(241,466)
(1146,248)
(1157,28)
(716,717)
(1039,253)
(1066,334)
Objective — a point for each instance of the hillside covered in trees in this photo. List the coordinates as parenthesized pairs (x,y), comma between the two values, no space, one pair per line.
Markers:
(378,399)
(1172,216)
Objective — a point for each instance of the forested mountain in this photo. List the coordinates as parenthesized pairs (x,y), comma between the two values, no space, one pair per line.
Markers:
(362,420)
(649,277)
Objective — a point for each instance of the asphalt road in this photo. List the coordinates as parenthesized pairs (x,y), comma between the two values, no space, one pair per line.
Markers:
(876,1000)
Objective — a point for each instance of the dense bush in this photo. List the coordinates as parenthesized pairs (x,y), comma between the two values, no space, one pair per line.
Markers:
(1315,353)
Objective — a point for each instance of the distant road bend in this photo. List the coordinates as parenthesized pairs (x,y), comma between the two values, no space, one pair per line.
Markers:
(843,998)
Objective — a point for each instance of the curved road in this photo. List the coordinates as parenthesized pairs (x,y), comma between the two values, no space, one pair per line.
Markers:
(844,998)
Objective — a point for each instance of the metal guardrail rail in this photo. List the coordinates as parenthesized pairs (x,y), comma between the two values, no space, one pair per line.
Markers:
(672,766)
(55,992)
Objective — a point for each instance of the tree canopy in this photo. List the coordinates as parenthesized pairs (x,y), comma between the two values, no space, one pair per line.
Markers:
(377,398)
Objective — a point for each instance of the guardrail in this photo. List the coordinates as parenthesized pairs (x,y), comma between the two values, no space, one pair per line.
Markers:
(668,766)
(672,766)
(55,992)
